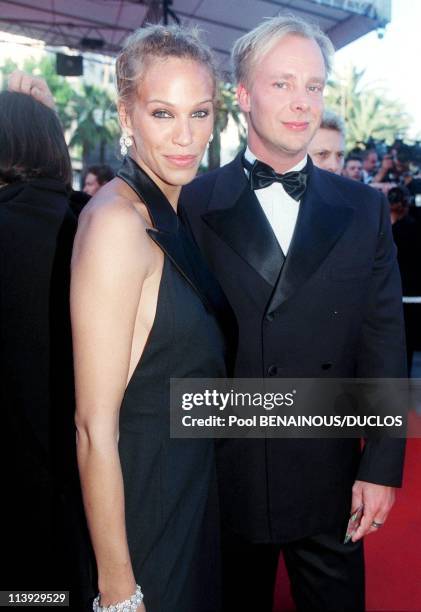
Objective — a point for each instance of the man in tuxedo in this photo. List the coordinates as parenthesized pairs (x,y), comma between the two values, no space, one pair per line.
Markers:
(308,265)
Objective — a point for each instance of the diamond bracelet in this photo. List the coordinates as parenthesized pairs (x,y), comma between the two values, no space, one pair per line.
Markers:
(128,605)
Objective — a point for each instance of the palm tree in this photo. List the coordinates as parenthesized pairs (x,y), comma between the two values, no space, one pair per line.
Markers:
(227,106)
(95,121)
(367,110)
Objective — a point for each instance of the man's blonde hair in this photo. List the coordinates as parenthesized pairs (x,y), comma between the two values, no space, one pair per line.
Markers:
(250,48)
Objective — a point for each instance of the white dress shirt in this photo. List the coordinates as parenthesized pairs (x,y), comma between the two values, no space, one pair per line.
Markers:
(280,208)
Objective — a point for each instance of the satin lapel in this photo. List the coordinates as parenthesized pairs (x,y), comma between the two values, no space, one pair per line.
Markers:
(168,232)
(320,224)
(236,216)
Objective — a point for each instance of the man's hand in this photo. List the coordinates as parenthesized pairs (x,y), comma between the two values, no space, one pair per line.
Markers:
(377,501)
(386,165)
(32,86)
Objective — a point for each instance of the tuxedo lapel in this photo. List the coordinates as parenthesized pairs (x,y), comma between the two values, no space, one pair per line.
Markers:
(319,226)
(168,233)
(236,216)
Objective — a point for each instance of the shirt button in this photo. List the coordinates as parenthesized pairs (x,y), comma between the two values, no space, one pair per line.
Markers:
(327,365)
(272,370)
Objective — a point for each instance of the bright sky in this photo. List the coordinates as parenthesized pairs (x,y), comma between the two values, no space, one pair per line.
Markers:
(393,62)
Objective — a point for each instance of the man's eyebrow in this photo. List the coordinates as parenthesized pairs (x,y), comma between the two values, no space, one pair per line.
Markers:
(317,79)
(289,76)
(283,75)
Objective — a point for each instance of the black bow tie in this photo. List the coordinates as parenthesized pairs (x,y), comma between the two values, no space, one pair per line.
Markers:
(261,175)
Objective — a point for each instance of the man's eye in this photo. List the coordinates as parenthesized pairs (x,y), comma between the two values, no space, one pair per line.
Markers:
(201,114)
(315,88)
(281,84)
(323,154)
(161,114)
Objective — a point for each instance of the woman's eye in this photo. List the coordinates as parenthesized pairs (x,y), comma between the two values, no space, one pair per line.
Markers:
(201,114)
(161,114)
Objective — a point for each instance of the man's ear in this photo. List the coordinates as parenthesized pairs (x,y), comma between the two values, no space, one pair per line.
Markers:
(243,97)
(124,118)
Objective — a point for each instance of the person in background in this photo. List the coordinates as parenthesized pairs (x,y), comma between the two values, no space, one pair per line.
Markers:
(95,177)
(42,523)
(387,172)
(406,235)
(370,161)
(327,149)
(353,168)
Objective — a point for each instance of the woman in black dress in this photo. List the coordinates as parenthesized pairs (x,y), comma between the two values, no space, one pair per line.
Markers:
(142,313)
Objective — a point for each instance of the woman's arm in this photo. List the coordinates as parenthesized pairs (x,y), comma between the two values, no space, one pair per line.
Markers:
(110,262)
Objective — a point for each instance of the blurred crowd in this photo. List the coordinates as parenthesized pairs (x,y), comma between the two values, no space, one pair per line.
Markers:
(394,171)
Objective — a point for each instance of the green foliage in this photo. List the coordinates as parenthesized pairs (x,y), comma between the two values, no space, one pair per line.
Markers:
(96,121)
(367,110)
(227,106)
(87,112)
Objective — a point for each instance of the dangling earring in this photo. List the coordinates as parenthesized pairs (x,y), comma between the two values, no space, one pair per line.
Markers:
(125,142)
(211,138)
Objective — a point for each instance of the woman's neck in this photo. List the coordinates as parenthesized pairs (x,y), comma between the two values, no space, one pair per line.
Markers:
(171,192)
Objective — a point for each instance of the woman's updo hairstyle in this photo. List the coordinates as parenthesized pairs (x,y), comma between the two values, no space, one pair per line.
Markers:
(157,42)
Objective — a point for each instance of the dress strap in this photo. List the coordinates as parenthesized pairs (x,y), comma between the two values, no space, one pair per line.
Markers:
(162,214)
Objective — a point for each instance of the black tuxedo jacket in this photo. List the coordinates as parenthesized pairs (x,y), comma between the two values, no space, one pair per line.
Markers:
(334,310)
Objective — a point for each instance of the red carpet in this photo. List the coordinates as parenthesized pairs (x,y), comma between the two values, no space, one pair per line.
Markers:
(393,555)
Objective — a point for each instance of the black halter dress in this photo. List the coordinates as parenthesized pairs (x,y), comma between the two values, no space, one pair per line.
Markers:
(169,484)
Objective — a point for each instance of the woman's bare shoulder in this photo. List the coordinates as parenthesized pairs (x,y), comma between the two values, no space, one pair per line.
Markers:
(111,205)
(111,222)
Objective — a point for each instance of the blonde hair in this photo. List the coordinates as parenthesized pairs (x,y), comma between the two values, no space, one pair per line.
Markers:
(157,41)
(250,48)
